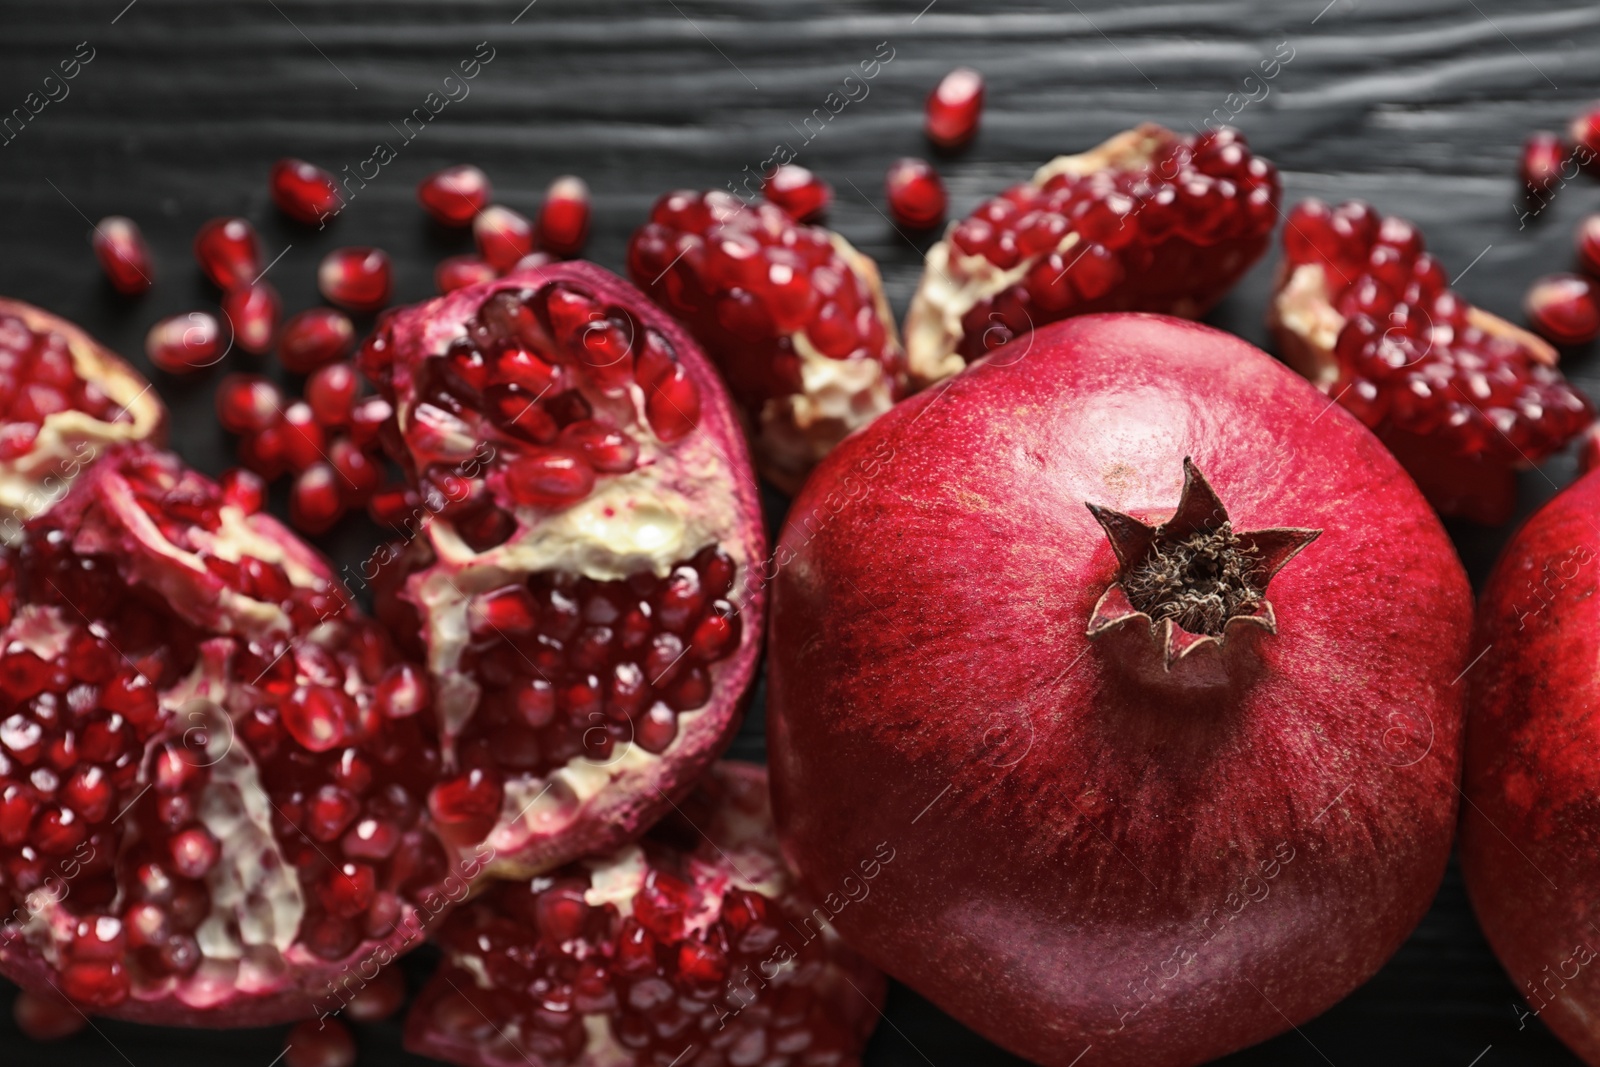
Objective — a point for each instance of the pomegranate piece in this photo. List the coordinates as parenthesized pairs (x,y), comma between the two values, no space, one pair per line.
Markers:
(916,194)
(1185,666)
(356,279)
(653,954)
(1563,309)
(46,1016)
(793,316)
(120,247)
(1543,157)
(564,217)
(65,399)
(1462,397)
(802,195)
(229,252)
(183,344)
(1147,221)
(954,107)
(202,697)
(320,1043)
(457,272)
(252,312)
(314,338)
(455,195)
(580,583)
(1588,242)
(304,191)
(503,236)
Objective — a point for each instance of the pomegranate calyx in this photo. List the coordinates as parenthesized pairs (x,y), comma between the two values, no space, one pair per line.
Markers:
(1192,579)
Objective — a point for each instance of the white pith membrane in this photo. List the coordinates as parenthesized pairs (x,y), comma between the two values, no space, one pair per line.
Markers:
(953,283)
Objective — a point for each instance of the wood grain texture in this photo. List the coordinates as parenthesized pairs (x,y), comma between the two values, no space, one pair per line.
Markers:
(1417,105)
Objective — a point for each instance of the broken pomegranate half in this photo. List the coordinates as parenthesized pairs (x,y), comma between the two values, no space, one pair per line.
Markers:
(793,316)
(692,947)
(64,398)
(579,571)
(212,793)
(1147,221)
(1462,397)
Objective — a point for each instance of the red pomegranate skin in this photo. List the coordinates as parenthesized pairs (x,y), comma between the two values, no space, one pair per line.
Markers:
(1095,858)
(1531,782)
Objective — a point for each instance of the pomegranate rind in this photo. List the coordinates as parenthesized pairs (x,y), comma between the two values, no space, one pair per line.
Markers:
(1064,826)
(706,487)
(738,847)
(69,441)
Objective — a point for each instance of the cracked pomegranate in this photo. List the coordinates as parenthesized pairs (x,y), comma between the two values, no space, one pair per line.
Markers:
(208,806)
(580,570)
(66,398)
(1147,221)
(1231,675)
(793,316)
(1462,397)
(692,947)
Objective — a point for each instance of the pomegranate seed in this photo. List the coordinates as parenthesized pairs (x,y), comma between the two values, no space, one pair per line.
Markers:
(1543,156)
(1564,308)
(550,477)
(1585,134)
(16,439)
(803,196)
(303,438)
(319,1043)
(509,610)
(455,195)
(123,255)
(315,503)
(533,260)
(252,311)
(184,343)
(379,998)
(503,236)
(358,474)
(356,279)
(367,418)
(314,339)
(193,852)
(458,272)
(564,217)
(243,489)
(1589,246)
(331,392)
(916,195)
(672,404)
(402,692)
(954,107)
(229,252)
(46,1017)
(304,192)
(247,403)
(470,798)
(95,983)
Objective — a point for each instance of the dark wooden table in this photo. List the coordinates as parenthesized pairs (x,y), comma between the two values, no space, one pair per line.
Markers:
(1416,105)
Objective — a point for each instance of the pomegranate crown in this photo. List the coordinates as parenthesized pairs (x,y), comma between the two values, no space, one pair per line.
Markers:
(1193,579)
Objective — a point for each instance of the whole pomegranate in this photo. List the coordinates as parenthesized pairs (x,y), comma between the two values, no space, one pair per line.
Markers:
(213,772)
(1531,783)
(692,947)
(1139,655)
(580,570)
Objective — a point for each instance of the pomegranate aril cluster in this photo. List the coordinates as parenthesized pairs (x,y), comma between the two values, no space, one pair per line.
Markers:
(38,379)
(1410,356)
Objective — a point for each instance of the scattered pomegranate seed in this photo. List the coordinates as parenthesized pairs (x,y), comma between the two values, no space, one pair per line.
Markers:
(248,403)
(954,107)
(229,252)
(252,311)
(303,191)
(803,196)
(532,260)
(1584,133)
(916,194)
(243,489)
(455,195)
(331,392)
(314,499)
(184,343)
(564,217)
(458,272)
(1589,246)
(315,338)
(503,236)
(1564,309)
(319,1043)
(123,255)
(356,279)
(44,1017)
(1543,156)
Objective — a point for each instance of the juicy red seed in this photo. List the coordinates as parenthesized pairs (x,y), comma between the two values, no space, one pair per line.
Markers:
(503,236)
(95,983)
(916,193)
(243,489)
(1543,156)
(356,279)
(458,272)
(367,417)
(549,477)
(182,344)
(46,1017)
(608,450)
(193,852)
(304,191)
(508,610)
(673,405)
(229,252)
(315,500)
(16,439)
(564,217)
(123,255)
(304,442)
(315,338)
(802,195)
(331,392)
(358,473)
(252,312)
(402,692)
(455,195)
(954,107)
(319,1043)
(1589,246)
(467,798)
(1585,132)
(1564,308)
